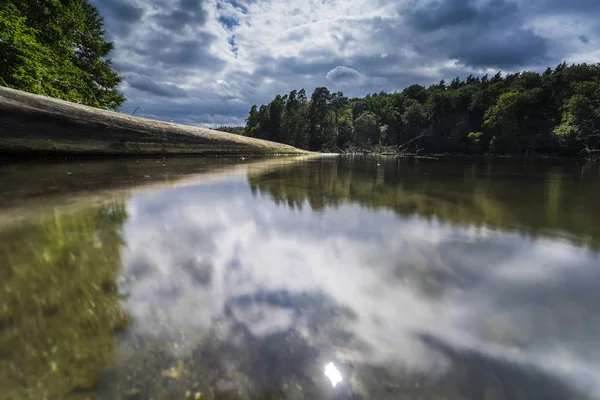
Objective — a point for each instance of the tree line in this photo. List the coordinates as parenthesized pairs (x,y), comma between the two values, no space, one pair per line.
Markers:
(57,48)
(555,112)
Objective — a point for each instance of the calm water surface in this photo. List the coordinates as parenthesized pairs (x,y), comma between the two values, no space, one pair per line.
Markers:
(329,278)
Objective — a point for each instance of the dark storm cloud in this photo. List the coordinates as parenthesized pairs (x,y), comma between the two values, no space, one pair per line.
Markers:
(517,48)
(180,52)
(119,17)
(156,70)
(119,11)
(584,39)
(315,63)
(163,48)
(126,12)
(434,15)
(200,110)
(179,14)
(560,6)
(487,34)
(147,84)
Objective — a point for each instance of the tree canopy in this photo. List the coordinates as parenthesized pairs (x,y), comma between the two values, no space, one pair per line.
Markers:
(57,48)
(555,112)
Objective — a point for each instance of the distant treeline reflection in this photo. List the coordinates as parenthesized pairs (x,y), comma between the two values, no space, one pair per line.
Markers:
(494,194)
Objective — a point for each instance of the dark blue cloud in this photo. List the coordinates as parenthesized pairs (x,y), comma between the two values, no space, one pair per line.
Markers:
(486,34)
(119,17)
(192,52)
(518,48)
(147,84)
(561,6)
(440,14)
(181,14)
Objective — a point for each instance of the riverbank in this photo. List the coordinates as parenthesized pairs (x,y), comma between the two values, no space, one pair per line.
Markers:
(37,126)
(392,152)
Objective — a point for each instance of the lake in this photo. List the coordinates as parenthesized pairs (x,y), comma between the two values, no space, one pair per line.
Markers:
(300,278)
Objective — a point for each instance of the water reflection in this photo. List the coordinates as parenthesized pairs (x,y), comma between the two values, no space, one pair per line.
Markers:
(409,286)
(333,278)
(60,308)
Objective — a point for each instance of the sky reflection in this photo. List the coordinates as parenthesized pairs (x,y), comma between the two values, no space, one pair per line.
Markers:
(359,286)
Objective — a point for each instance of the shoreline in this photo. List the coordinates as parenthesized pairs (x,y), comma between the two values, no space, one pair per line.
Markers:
(35,126)
(437,156)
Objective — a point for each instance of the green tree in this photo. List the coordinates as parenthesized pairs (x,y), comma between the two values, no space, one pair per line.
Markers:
(366,129)
(274,125)
(22,58)
(345,126)
(294,123)
(579,130)
(320,122)
(262,130)
(252,122)
(57,48)
(504,119)
(415,120)
(555,112)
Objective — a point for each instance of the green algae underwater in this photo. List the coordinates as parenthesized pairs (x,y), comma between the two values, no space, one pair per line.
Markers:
(245,285)
(60,304)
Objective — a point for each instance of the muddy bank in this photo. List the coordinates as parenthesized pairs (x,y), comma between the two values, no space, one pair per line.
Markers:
(39,126)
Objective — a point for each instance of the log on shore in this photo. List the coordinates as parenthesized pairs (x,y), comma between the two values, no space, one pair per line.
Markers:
(33,125)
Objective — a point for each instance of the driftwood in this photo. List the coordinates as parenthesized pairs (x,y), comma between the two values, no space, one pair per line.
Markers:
(33,125)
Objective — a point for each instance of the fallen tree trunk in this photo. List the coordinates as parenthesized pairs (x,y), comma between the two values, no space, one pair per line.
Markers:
(33,125)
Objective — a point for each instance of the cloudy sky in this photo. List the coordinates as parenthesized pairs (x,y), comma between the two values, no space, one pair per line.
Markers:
(205,62)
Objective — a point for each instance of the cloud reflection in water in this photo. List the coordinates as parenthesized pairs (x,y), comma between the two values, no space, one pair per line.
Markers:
(361,286)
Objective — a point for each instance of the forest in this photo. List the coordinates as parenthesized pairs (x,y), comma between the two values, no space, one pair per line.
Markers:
(57,48)
(556,112)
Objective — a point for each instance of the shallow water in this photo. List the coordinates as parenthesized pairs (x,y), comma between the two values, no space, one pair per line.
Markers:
(326,278)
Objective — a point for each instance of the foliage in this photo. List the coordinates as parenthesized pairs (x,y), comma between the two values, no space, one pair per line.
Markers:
(60,304)
(57,48)
(556,112)
(366,129)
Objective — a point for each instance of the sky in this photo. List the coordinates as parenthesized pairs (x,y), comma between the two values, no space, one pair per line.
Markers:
(206,62)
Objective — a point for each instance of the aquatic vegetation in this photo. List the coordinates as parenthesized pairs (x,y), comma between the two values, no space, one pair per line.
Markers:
(60,305)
